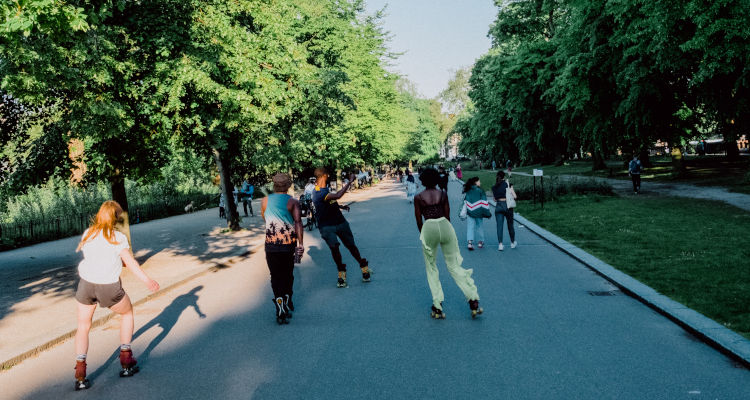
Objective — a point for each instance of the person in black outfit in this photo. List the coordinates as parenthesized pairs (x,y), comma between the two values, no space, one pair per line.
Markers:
(443,181)
(333,226)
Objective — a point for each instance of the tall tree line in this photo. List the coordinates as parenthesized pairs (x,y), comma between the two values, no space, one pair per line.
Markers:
(254,86)
(565,77)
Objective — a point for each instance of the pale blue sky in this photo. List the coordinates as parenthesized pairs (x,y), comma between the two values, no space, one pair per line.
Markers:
(437,36)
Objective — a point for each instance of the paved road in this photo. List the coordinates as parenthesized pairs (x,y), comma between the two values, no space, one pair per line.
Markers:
(543,335)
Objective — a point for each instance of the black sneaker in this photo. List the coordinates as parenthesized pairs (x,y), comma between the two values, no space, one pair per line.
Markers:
(341,283)
(280,313)
(366,276)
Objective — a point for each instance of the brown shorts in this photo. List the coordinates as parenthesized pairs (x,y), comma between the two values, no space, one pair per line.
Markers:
(106,295)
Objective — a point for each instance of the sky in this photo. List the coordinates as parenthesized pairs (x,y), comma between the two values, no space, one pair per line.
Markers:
(437,37)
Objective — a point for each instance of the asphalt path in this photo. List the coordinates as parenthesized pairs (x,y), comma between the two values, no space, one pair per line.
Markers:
(543,334)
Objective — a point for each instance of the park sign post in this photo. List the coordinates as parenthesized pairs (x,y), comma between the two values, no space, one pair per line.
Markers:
(540,174)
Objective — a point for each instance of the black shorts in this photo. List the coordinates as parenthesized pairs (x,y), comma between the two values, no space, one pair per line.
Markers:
(331,233)
(106,295)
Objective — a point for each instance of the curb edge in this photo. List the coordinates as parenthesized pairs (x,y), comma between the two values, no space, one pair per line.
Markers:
(709,331)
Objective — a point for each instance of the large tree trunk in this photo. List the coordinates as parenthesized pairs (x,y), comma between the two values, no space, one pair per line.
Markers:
(730,143)
(598,159)
(645,158)
(117,183)
(233,218)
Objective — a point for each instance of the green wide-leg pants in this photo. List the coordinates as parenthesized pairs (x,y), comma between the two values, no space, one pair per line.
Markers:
(439,232)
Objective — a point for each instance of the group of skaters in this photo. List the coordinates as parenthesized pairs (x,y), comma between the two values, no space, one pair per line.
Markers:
(106,251)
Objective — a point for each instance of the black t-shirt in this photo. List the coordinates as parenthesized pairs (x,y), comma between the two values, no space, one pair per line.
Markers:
(328,212)
(498,191)
(443,183)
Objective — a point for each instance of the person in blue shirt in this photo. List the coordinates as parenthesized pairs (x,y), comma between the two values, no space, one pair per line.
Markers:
(333,226)
(284,234)
(247,196)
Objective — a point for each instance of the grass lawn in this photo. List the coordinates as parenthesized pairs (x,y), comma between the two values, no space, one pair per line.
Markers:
(702,171)
(694,251)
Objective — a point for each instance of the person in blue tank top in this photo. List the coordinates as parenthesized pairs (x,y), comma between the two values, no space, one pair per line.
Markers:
(284,233)
(333,226)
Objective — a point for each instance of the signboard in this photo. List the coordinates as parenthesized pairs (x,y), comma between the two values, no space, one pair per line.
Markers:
(538,172)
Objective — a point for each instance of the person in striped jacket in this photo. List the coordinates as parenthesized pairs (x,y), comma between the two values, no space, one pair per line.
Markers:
(477,208)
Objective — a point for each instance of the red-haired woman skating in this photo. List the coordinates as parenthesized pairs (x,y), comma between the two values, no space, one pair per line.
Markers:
(105,250)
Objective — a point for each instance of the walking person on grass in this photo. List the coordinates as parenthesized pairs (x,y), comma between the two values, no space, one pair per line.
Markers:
(477,208)
(333,226)
(503,211)
(436,230)
(105,250)
(284,233)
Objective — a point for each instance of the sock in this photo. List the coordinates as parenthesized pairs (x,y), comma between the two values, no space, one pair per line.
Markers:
(81,357)
(124,347)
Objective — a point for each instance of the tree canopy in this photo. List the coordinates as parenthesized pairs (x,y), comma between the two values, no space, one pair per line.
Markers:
(594,77)
(255,86)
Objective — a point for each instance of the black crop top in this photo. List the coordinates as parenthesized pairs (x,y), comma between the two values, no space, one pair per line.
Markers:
(433,211)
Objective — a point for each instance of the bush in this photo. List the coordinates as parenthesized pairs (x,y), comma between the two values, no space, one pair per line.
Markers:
(57,209)
(554,187)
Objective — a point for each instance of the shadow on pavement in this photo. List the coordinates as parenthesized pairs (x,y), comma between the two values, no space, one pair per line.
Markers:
(166,320)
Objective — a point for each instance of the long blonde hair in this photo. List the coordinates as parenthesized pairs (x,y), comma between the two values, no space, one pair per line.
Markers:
(104,222)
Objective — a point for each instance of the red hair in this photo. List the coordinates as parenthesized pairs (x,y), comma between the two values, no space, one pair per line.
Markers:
(104,222)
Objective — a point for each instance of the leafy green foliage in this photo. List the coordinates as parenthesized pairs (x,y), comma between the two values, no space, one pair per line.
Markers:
(607,76)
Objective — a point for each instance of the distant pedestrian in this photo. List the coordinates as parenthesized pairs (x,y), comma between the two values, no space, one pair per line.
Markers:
(459,173)
(411,187)
(509,166)
(634,169)
(105,251)
(432,205)
(247,196)
(399,176)
(505,200)
(284,233)
(477,208)
(310,188)
(333,226)
(443,182)
(222,204)
(493,165)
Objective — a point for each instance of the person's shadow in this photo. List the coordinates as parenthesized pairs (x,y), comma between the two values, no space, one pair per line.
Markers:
(167,319)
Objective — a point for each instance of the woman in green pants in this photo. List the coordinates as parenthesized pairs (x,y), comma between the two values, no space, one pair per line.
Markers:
(436,230)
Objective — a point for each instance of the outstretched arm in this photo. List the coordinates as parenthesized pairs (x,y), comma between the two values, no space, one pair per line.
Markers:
(135,268)
(340,193)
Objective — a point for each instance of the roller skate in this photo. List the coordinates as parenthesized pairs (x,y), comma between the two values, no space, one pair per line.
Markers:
(281,316)
(437,313)
(128,363)
(470,246)
(341,283)
(288,305)
(365,270)
(475,309)
(81,381)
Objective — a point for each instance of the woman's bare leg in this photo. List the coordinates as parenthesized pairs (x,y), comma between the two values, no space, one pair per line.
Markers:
(85,314)
(125,309)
